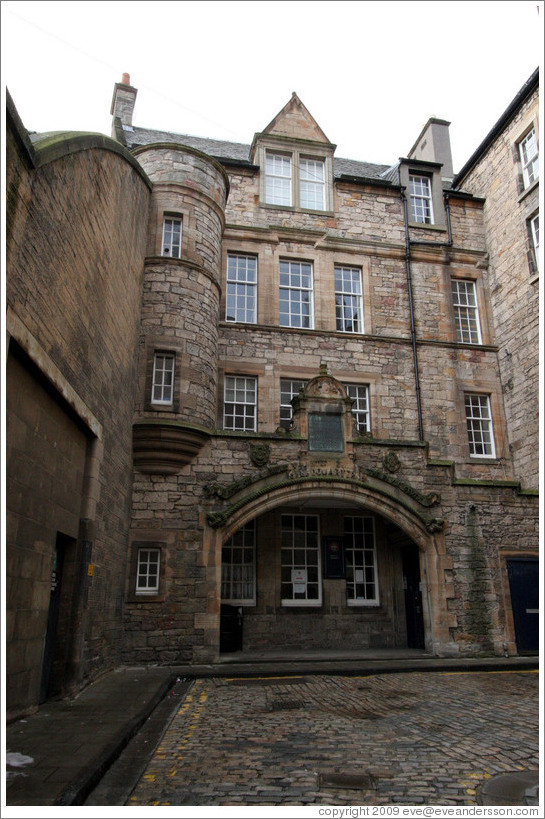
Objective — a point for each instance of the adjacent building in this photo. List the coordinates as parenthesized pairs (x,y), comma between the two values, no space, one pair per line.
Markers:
(263,397)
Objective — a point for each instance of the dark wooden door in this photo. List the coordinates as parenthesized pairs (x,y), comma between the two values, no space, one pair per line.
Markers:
(413,597)
(523,576)
(52,619)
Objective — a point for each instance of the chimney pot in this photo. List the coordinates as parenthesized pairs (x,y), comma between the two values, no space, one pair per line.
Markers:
(126,78)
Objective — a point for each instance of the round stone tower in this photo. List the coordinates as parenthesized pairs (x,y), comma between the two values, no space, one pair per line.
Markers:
(180,305)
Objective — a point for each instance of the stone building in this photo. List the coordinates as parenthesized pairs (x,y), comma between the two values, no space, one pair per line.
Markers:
(263,397)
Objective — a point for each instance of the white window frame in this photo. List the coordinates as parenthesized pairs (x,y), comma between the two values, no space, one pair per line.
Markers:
(278,179)
(312,174)
(291,290)
(241,288)
(295,565)
(360,410)
(480,429)
(171,248)
(240,402)
(348,299)
(238,567)
(529,158)
(289,389)
(466,311)
(144,561)
(421,201)
(162,392)
(533,224)
(360,552)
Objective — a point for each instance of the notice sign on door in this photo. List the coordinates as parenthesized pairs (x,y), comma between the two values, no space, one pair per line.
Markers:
(299,580)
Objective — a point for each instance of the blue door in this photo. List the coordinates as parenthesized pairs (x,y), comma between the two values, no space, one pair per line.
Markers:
(523,576)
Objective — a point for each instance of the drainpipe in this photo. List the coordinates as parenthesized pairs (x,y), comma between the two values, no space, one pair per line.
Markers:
(447,211)
(411,313)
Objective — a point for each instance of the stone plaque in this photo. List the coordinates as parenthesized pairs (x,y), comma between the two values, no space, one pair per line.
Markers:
(325,432)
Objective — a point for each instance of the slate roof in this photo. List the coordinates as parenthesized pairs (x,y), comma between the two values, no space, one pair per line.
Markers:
(234,151)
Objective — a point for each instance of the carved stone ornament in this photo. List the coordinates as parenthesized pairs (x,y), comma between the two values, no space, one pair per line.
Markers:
(391,462)
(435,525)
(324,386)
(260,454)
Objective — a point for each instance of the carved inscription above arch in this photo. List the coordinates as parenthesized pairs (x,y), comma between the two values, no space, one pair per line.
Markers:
(249,488)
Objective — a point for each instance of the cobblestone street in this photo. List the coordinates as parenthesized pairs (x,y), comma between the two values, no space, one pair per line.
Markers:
(408,739)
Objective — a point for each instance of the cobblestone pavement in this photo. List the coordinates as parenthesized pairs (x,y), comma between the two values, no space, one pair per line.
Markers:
(408,739)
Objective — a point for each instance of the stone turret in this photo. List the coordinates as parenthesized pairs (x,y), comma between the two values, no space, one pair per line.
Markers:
(180,303)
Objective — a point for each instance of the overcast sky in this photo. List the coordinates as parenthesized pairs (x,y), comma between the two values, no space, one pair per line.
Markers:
(371,73)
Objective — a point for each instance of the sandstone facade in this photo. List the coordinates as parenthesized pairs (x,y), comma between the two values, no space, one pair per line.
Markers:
(262,399)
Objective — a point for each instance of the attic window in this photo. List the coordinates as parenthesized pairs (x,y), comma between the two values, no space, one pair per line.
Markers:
(421,202)
(293,180)
(278,179)
(312,184)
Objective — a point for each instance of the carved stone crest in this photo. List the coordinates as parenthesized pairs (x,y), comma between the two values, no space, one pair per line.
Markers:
(391,462)
(260,454)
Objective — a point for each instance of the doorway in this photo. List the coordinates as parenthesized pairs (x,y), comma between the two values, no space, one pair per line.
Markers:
(56,635)
(413,596)
(523,576)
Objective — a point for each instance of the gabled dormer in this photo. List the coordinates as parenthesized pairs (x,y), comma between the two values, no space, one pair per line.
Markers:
(423,173)
(296,161)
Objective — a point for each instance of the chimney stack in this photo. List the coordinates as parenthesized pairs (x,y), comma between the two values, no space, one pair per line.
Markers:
(433,145)
(123,101)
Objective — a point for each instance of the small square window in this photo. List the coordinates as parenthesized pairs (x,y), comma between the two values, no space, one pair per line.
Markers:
(147,573)
(172,238)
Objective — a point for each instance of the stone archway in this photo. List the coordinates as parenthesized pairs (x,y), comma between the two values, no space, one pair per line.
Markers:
(355,495)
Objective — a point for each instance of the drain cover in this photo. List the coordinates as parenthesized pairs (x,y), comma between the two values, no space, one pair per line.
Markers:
(266,681)
(286,705)
(356,781)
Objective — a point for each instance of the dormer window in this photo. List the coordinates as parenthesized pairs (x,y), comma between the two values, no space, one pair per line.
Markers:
(421,200)
(312,184)
(424,193)
(294,179)
(296,161)
(278,179)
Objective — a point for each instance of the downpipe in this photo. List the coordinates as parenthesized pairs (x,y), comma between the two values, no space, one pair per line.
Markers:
(411,314)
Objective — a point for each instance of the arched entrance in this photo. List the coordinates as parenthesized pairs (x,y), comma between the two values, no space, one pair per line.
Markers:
(328,562)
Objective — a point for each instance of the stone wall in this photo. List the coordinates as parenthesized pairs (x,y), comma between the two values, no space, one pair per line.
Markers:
(463,565)
(514,287)
(76,250)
